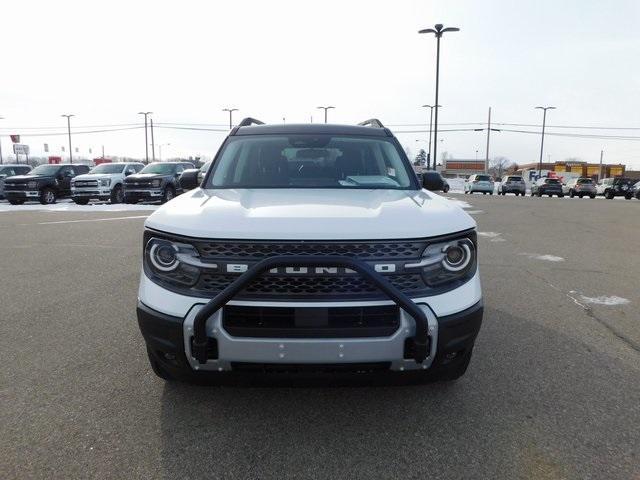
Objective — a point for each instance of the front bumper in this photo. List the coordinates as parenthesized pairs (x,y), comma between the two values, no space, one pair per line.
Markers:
(21,194)
(91,192)
(138,194)
(454,319)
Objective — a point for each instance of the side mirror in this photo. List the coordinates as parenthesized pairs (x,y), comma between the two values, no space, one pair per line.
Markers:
(432,182)
(189,180)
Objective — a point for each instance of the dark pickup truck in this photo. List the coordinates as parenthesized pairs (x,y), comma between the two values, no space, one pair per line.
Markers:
(45,183)
(159,182)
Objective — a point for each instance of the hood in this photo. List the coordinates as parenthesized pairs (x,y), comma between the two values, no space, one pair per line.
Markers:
(143,176)
(94,176)
(310,214)
(27,178)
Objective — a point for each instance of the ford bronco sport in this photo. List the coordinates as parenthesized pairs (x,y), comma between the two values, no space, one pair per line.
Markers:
(310,247)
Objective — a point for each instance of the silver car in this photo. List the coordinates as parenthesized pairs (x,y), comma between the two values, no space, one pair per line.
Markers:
(582,187)
(512,184)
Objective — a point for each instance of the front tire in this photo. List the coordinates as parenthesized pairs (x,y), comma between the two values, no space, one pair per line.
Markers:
(608,195)
(169,194)
(117,195)
(571,194)
(48,196)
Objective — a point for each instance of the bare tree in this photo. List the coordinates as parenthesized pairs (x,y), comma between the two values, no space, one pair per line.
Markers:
(498,165)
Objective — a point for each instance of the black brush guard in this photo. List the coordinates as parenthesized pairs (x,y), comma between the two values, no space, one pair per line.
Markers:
(420,345)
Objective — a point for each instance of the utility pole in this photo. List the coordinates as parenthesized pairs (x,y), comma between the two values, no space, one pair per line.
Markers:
(69,133)
(438,30)
(486,160)
(153,145)
(102,151)
(431,107)
(230,110)
(146,139)
(544,121)
(601,155)
(325,112)
(1,161)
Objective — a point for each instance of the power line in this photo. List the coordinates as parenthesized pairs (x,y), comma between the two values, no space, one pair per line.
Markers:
(54,134)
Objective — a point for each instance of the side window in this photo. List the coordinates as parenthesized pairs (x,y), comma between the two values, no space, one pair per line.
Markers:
(137,168)
(179,169)
(67,172)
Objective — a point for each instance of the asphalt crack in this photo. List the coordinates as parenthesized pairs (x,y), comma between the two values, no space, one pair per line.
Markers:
(590,313)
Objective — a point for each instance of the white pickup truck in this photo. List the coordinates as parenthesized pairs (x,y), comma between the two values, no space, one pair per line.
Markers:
(103,182)
(310,247)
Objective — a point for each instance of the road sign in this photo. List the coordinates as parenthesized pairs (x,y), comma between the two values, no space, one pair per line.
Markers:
(20,149)
(46,147)
(15,138)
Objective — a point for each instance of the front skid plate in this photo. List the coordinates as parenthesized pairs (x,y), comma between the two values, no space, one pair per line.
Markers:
(310,350)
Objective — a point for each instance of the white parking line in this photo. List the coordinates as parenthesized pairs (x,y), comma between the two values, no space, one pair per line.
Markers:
(91,220)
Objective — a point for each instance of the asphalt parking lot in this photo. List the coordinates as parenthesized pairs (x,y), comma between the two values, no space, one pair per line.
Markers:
(553,390)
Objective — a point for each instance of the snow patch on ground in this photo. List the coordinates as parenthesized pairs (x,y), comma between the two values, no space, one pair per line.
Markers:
(69,206)
(474,212)
(456,185)
(546,258)
(489,234)
(460,203)
(605,300)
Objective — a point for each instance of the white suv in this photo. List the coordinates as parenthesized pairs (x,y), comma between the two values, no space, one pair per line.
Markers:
(103,182)
(479,183)
(310,247)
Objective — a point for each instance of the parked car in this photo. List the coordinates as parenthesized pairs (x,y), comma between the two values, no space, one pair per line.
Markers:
(45,183)
(158,181)
(581,187)
(194,174)
(616,187)
(11,171)
(479,183)
(103,182)
(547,186)
(512,184)
(636,190)
(283,263)
(434,176)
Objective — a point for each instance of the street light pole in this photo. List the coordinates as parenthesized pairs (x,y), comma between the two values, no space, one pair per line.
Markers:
(69,133)
(325,112)
(486,160)
(230,110)
(431,107)
(544,121)
(438,30)
(146,138)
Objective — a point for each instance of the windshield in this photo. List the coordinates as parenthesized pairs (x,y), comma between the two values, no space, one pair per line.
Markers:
(45,170)
(317,161)
(108,168)
(585,181)
(160,168)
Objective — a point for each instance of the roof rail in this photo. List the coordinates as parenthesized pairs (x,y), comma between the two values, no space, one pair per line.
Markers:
(250,121)
(372,122)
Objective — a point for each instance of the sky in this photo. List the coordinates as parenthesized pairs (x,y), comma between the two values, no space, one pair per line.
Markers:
(105,61)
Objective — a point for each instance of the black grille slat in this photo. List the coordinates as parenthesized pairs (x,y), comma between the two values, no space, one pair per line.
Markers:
(270,286)
(282,322)
(259,250)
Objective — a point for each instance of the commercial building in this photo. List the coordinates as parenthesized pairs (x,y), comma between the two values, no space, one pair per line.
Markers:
(572,170)
(455,167)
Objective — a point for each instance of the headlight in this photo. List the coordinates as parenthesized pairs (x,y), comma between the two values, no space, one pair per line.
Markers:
(448,261)
(32,184)
(156,183)
(105,182)
(171,262)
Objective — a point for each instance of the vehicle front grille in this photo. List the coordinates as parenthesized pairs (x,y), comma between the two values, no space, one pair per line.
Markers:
(318,287)
(85,183)
(316,322)
(137,184)
(15,186)
(377,250)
